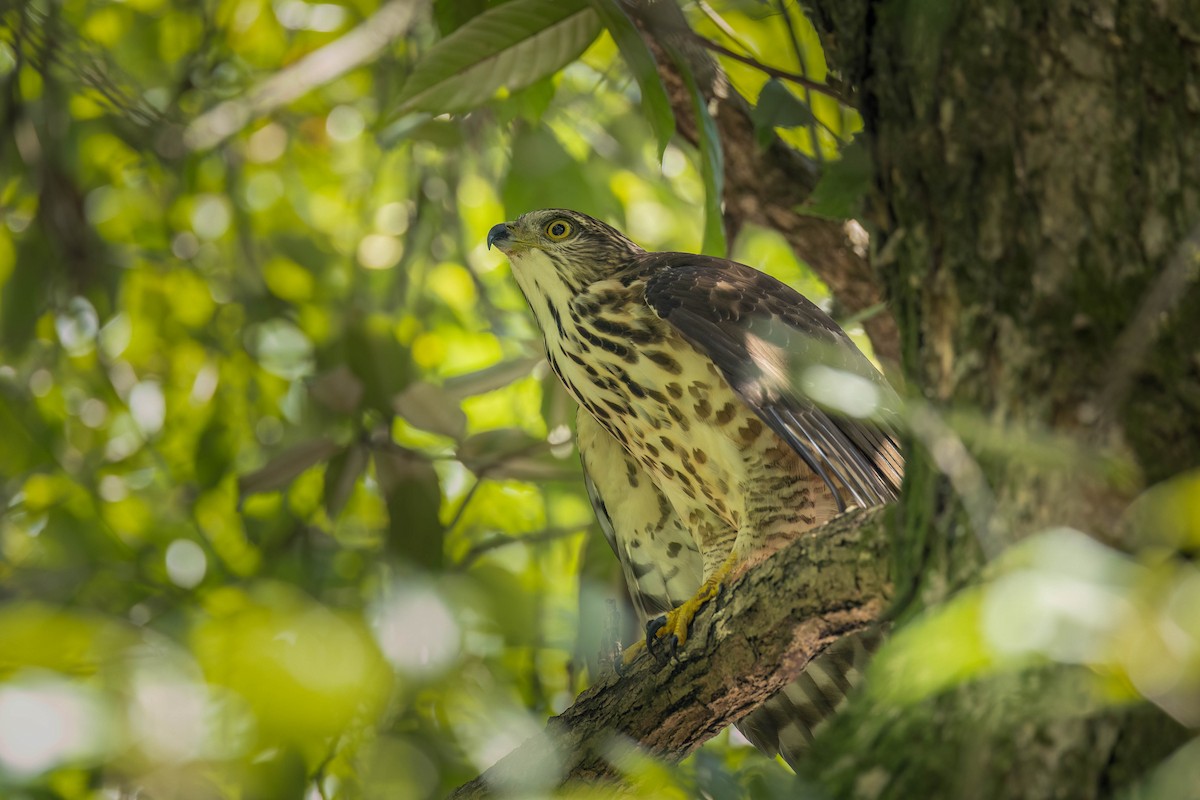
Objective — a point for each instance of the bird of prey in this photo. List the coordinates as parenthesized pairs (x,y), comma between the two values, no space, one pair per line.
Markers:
(721,414)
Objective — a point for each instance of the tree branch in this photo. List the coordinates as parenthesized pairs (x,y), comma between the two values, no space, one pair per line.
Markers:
(774,72)
(756,638)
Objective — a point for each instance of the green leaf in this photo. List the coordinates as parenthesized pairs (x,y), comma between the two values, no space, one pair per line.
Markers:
(339,390)
(490,378)
(24,433)
(431,408)
(450,15)
(216,450)
(542,174)
(380,362)
(287,466)
(511,46)
(341,475)
(844,183)
(511,453)
(778,108)
(24,296)
(413,494)
(637,55)
(712,164)
(402,127)
(532,102)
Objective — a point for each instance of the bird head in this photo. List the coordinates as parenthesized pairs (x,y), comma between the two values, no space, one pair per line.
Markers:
(558,244)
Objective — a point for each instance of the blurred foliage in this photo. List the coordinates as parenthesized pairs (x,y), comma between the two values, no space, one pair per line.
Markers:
(290,506)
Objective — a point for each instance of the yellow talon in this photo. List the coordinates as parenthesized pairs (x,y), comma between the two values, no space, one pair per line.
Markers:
(630,654)
(676,622)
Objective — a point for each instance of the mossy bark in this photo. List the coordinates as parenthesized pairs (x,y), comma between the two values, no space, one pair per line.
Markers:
(1037,184)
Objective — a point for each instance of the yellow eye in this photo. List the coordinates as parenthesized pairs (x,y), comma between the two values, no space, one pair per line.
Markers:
(558,230)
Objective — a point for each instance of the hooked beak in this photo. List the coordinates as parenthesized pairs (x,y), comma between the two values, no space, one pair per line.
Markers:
(499,235)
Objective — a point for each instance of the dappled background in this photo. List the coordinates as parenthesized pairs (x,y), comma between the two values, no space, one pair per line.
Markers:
(290,501)
(289,505)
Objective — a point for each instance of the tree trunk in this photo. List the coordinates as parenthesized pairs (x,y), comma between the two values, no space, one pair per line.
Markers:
(1035,218)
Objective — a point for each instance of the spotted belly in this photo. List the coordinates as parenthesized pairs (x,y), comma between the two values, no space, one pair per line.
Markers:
(725,473)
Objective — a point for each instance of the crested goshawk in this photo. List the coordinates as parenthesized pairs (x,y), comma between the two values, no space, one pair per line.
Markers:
(721,414)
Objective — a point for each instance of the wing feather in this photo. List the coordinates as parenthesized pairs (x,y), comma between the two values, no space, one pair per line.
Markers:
(764,337)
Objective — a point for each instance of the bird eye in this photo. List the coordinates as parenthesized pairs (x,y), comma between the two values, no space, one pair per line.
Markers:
(558,230)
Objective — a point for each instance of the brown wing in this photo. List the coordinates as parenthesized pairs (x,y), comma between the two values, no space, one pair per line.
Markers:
(766,339)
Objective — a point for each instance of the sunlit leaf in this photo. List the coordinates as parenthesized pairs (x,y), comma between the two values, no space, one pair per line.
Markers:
(306,671)
(510,46)
(778,108)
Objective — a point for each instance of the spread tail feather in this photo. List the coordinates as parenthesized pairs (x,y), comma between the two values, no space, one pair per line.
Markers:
(786,723)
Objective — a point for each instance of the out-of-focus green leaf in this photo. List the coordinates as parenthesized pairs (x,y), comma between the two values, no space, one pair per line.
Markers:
(215,452)
(379,361)
(431,408)
(712,166)
(68,641)
(514,454)
(341,475)
(339,390)
(1168,513)
(25,292)
(287,466)
(303,669)
(637,55)
(530,103)
(451,15)
(490,378)
(542,174)
(778,108)
(278,773)
(25,435)
(402,128)
(413,494)
(843,185)
(510,46)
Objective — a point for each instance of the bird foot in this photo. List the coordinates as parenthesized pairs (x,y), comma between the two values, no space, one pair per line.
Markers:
(629,655)
(667,634)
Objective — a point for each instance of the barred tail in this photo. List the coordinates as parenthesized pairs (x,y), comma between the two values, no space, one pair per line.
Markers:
(786,722)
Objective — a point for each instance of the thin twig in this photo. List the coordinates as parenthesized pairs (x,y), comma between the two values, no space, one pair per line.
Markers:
(1164,295)
(799,52)
(504,540)
(774,72)
(966,477)
(316,69)
(462,507)
(723,26)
